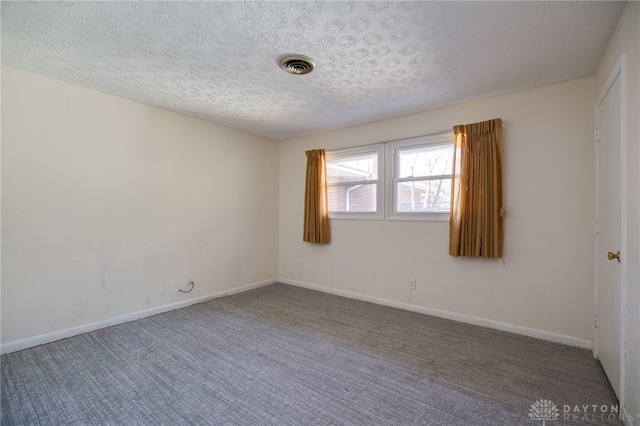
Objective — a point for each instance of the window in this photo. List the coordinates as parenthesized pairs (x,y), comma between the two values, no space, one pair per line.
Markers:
(420,177)
(354,183)
(407,179)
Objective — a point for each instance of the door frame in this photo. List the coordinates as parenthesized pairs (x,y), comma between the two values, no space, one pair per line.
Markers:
(619,69)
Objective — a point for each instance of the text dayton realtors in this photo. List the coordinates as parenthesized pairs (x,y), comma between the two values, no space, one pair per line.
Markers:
(593,412)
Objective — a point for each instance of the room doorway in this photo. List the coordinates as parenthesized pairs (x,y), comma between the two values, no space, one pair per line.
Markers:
(610,257)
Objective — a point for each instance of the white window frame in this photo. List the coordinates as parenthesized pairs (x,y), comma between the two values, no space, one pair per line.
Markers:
(380,182)
(437,139)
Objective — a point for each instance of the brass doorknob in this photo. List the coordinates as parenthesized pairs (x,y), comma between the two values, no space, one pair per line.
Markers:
(611,255)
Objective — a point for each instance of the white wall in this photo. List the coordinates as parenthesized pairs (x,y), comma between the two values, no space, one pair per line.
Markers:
(626,40)
(109,205)
(546,282)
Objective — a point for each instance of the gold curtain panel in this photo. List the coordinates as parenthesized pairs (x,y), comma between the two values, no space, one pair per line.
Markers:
(316,202)
(476,226)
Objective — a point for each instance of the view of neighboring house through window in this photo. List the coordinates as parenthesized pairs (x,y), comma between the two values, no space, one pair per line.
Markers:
(353,180)
(421,177)
(414,185)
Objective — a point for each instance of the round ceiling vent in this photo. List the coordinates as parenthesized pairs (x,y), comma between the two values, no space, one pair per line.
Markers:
(297,64)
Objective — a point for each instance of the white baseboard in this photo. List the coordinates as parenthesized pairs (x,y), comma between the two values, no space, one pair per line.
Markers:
(17,345)
(626,418)
(496,325)
(63,334)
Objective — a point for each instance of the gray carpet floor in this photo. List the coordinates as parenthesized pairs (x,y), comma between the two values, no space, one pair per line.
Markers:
(282,355)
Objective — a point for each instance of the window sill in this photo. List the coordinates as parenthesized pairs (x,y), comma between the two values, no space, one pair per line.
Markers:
(420,217)
(355,216)
(405,217)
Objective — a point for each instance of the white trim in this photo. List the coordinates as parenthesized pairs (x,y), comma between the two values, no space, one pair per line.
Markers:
(385,181)
(467,319)
(623,230)
(378,150)
(420,217)
(372,148)
(626,418)
(618,71)
(29,342)
(445,138)
(356,147)
(596,237)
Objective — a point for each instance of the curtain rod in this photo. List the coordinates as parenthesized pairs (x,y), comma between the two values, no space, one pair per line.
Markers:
(441,132)
(428,134)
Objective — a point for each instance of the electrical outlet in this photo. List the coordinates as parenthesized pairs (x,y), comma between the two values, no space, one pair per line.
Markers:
(412,284)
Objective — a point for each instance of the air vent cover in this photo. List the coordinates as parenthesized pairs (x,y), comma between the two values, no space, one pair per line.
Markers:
(297,64)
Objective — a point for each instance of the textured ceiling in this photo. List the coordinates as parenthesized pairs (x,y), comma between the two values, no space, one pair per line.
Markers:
(218,61)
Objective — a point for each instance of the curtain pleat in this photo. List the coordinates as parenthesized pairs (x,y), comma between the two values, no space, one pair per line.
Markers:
(316,202)
(475,226)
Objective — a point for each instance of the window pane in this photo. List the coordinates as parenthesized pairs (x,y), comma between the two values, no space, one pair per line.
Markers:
(353,198)
(353,169)
(425,161)
(425,196)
